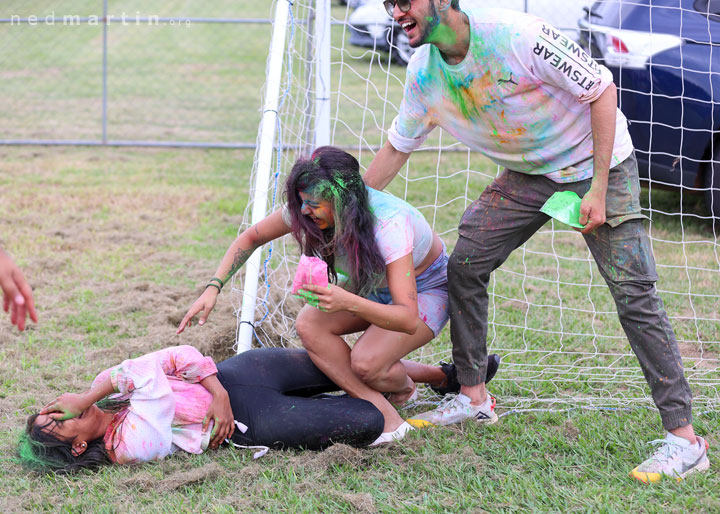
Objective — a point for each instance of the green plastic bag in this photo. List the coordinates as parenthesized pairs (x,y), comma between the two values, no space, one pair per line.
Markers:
(564,206)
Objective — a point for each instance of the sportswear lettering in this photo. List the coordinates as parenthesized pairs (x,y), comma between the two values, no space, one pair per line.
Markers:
(581,71)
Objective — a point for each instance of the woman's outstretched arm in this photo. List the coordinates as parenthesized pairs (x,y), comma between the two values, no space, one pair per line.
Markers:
(239,252)
(401,316)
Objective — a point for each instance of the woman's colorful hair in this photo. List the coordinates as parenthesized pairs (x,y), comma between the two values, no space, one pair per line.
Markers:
(42,450)
(334,175)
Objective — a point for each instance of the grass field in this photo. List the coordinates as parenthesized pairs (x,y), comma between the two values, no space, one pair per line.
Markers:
(118,243)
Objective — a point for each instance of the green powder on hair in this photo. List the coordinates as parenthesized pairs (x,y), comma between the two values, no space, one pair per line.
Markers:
(31,454)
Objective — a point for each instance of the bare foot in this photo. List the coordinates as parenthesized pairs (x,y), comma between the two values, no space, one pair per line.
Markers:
(399,398)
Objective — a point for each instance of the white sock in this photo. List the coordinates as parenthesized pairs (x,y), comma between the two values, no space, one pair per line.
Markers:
(670,437)
(465,400)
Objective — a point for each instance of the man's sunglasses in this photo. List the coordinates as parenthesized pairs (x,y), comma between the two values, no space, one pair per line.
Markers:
(403,5)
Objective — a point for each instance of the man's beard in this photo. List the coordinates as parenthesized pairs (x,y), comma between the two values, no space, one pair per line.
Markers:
(430,27)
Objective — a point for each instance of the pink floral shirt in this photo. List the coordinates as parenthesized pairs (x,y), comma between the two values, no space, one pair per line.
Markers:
(167,404)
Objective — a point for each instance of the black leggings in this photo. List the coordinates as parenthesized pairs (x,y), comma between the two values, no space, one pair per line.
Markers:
(273,391)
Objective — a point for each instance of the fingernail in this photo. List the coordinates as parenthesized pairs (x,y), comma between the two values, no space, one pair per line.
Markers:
(201,322)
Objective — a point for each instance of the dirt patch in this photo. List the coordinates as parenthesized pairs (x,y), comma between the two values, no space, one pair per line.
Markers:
(339,455)
(693,357)
(360,502)
(570,431)
(144,481)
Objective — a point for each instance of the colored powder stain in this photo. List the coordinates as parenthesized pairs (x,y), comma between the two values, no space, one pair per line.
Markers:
(509,135)
(469,93)
(441,33)
(407,274)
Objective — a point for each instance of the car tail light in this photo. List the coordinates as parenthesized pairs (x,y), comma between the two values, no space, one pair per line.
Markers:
(618,45)
(630,48)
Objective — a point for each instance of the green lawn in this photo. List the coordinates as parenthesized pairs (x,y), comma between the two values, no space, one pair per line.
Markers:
(117,243)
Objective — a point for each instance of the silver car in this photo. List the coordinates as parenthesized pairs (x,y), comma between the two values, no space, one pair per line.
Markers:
(371,27)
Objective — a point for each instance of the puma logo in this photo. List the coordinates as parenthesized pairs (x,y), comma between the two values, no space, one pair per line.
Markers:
(507,81)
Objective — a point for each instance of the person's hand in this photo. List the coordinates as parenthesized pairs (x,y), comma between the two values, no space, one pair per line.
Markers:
(331,298)
(17,294)
(221,413)
(204,304)
(592,210)
(68,405)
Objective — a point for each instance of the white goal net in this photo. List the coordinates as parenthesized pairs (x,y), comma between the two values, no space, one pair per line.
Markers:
(552,319)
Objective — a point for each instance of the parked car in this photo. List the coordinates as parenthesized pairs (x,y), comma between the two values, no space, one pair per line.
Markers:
(371,27)
(665,58)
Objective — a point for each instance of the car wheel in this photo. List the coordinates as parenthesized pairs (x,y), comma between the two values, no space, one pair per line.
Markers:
(712,182)
(400,50)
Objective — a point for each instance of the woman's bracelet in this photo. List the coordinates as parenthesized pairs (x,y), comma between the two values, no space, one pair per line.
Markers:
(220,282)
(212,284)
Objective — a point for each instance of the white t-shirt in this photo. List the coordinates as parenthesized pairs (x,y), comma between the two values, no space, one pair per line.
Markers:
(521,96)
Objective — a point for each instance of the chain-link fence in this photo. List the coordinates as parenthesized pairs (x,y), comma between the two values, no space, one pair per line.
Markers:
(146,73)
(150,73)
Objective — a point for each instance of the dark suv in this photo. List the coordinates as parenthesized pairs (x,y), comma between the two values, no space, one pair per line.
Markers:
(665,57)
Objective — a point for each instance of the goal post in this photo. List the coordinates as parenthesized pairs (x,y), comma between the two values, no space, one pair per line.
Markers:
(551,317)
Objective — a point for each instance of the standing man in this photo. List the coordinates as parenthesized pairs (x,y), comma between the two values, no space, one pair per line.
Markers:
(515,89)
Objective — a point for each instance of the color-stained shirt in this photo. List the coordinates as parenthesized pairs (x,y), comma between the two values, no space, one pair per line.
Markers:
(400,229)
(167,404)
(521,96)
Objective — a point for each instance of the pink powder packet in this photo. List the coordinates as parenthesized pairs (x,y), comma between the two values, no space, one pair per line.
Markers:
(310,270)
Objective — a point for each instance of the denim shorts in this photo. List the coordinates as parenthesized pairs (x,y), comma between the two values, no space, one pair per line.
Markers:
(432,288)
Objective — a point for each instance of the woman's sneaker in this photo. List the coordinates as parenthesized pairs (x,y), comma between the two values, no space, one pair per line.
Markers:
(676,458)
(456,408)
(451,381)
(396,435)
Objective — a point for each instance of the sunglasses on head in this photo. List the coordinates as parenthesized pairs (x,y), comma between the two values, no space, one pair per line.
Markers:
(403,5)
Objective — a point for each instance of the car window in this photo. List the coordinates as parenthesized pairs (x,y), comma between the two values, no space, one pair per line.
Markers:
(709,7)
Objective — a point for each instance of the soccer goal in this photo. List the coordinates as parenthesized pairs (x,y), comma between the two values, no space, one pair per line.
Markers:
(552,319)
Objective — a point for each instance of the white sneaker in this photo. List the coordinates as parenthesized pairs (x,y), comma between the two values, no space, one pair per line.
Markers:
(676,458)
(456,408)
(396,435)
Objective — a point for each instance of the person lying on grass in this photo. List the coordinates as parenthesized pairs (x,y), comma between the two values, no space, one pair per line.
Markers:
(396,288)
(146,408)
